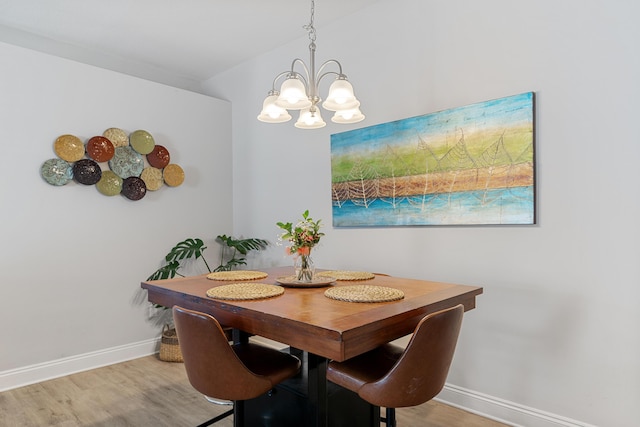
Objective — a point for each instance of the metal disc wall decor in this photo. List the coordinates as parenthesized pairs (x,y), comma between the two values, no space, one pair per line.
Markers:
(56,172)
(100,149)
(87,172)
(133,188)
(115,162)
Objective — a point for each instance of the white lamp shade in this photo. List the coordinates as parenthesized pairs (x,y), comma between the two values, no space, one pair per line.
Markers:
(293,95)
(309,120)
(271,113)
(340,96)
(353,115)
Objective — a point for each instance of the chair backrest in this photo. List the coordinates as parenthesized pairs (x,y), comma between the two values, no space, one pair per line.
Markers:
(421,371)
(213,368)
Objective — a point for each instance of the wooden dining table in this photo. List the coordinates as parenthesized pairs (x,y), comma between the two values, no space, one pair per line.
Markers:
(317,329)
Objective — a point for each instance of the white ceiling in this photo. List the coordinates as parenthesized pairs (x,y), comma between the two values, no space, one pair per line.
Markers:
(178,42)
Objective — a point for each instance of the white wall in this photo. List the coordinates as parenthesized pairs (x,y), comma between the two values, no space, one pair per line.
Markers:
(71,258)
(554,339)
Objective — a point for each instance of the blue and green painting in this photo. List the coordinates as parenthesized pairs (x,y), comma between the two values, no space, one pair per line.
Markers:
(466,165)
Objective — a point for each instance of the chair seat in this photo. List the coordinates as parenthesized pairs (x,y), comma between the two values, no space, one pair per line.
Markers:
(353,373)
(265,361)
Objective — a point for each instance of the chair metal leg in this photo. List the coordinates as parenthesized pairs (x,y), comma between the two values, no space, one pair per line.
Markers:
(390,417)
(221,416)
(216,419)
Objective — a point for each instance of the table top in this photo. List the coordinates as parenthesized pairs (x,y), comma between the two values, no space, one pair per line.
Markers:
(305,318)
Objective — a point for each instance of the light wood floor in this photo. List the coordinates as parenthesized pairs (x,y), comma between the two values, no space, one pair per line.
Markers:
(148,392)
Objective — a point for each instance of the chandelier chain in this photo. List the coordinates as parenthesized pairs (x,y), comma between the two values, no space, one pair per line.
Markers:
(309,27)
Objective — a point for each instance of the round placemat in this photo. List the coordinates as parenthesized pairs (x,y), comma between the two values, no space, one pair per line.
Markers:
(237,275)
(245,291)
(347,275)
(364,293)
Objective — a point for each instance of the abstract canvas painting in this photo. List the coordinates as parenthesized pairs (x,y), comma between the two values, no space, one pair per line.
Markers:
(462,166)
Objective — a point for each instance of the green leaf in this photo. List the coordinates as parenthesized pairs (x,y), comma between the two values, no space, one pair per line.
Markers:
(231,264)
(285,226)
(243,245)
(186,249)
(167,272)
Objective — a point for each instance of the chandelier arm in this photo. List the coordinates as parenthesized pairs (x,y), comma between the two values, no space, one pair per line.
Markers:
(321,76)
(282,74)
(329,62)
(306,71)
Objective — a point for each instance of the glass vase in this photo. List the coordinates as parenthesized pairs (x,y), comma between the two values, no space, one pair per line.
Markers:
(304,268)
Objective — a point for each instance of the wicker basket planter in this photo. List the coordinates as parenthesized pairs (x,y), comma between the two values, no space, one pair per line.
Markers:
(169,346)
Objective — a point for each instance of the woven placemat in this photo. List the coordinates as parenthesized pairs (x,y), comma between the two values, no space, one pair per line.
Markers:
(347,275)
(364,293)
(237,275)
(245,291)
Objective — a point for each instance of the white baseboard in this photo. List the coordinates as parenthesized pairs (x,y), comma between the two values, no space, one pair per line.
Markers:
(70,365)
(503,411)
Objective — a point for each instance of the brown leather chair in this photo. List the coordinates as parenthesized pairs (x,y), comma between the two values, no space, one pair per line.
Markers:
(227,372)
(393,377)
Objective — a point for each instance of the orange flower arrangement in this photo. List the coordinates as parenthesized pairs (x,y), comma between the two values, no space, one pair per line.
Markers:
(304,236)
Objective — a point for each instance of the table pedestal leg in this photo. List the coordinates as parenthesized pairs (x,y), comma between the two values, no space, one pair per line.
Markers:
(318,396)
(238,414)
(308,400)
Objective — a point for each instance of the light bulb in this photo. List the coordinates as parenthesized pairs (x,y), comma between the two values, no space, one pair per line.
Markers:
(340,96)
(353,115)
(309,120)
(293,95)
(347,115)
(271,113)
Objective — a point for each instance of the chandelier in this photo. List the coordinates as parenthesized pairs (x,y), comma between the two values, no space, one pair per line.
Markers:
(301,92)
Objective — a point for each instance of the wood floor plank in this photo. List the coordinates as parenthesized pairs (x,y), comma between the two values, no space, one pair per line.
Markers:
(148,392)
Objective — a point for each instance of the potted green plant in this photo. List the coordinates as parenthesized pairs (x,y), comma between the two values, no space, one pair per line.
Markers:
(232,255)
